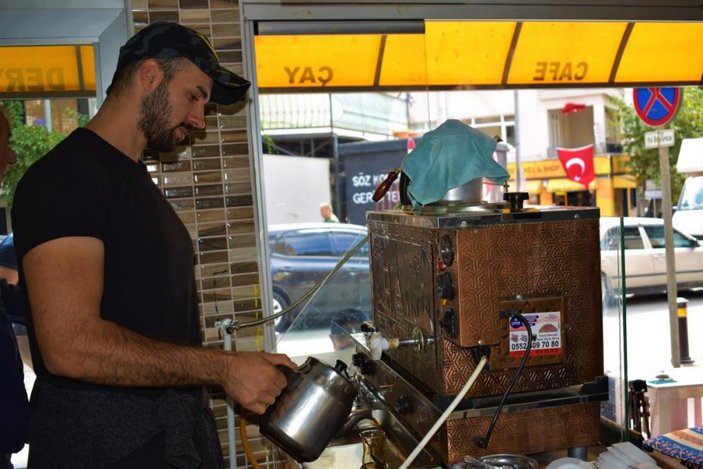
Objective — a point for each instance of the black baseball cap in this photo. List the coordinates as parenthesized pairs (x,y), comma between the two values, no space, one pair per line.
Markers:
(165,40)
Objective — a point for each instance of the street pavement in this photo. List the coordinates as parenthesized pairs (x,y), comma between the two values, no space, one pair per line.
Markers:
(649,338)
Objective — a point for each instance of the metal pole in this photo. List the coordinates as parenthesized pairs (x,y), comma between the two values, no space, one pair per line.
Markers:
(226,326)
(231,439)
(671,292)
(682,305)
(518,165)
(337,181)
(47,115)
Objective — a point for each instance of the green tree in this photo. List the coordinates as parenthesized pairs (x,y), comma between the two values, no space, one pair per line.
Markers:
(30,142)
(644,164)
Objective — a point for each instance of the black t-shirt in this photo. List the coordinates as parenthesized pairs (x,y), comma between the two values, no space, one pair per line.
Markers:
(86,187)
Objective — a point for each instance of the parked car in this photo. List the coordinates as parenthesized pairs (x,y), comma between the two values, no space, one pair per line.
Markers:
(689,211)
(645,255)
(301,255)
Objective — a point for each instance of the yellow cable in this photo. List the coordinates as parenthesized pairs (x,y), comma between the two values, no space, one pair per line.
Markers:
(245,441)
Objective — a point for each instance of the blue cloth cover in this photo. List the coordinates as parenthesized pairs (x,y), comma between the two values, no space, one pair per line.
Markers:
(449,156)
(685,445)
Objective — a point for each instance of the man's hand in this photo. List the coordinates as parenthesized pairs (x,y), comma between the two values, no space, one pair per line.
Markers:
(253,380)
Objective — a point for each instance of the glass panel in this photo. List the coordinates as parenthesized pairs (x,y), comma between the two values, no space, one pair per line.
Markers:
(225,16)
(194,15)
(161,4)
(311,244)
(155,15)
(214,189)
(193,3)
(657,238)
(343,242)
(614,412)
(692,194)
(286,123)
(632,238)
(301,260)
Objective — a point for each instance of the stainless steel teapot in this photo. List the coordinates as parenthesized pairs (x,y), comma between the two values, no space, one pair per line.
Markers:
(311,409)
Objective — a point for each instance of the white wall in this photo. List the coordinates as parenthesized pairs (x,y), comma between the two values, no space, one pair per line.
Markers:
(436,107)
(294,188)
(594,97)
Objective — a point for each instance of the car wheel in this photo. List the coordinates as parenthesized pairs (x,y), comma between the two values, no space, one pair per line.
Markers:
(280,303)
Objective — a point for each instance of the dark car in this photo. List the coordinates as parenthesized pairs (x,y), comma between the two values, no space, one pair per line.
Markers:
(302,255)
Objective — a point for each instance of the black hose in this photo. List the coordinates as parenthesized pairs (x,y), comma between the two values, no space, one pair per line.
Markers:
(353,250)
(481,441)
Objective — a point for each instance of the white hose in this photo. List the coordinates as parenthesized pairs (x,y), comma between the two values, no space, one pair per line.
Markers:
(446,413)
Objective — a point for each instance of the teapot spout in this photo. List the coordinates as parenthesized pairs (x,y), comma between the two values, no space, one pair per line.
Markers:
(354,418)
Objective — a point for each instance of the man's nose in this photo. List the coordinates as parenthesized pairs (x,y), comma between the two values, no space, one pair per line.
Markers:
(11,157)
(197,117)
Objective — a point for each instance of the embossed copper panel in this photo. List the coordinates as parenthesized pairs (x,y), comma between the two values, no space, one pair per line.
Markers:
(528,427)
(525,432)
(551,257)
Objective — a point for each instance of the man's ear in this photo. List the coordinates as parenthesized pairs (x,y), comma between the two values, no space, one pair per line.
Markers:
(150,75)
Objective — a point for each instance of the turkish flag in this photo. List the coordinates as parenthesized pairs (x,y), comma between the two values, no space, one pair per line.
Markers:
(578,163)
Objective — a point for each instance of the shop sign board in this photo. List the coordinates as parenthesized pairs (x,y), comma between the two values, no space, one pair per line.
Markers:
(36,71)
(433,54)
(659,138)
(656,106)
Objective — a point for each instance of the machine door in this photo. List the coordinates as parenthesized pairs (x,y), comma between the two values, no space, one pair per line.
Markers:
(639,262)
(688,255)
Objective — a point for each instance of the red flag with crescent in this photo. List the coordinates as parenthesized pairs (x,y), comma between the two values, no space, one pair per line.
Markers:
(578,163)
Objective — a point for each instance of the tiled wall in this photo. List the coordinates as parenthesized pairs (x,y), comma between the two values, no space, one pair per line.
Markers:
(210,185)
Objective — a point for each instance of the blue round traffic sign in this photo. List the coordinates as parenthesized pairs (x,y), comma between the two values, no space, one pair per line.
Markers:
(656,106)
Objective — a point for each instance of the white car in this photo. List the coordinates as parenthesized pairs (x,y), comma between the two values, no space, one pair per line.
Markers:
(645,255)
(689,211)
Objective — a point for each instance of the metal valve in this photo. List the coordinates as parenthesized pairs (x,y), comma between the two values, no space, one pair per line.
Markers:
(419,341)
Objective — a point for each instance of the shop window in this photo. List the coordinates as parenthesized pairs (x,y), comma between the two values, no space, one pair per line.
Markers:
(579,199)
(502,126)
(58,115)
(613,137)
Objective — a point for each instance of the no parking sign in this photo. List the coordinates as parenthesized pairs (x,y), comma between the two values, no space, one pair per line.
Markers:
(656,106)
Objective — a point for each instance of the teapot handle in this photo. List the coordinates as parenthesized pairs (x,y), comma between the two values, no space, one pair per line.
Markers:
(341,367)
(291,375)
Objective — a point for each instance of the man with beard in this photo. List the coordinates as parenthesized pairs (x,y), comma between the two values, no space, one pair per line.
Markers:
(108,267)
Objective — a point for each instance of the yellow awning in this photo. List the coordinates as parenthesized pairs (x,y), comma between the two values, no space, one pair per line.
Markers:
(565,52)
(488,54)
(46,70)
(533,187)
(624,182)
(567,185)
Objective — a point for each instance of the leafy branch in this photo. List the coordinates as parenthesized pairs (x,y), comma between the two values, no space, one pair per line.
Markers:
(644,163)
(30,142)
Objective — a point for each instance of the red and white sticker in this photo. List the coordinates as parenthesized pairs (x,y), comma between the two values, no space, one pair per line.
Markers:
(546,334)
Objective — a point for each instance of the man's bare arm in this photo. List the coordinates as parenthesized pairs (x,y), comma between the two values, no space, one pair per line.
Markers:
(64,279)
